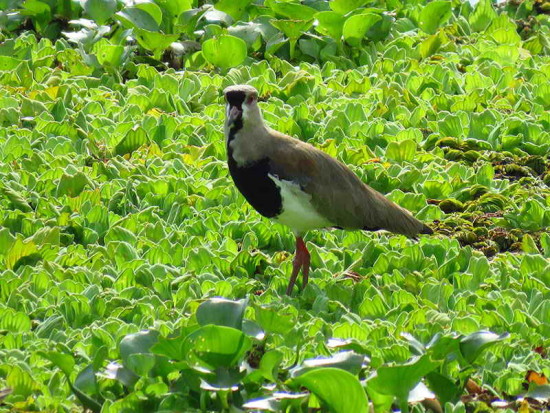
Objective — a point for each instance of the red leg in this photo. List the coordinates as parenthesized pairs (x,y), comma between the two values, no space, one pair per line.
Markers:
(300,262)
(296,265)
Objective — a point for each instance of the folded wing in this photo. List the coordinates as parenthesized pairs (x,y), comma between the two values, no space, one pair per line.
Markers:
(336,192)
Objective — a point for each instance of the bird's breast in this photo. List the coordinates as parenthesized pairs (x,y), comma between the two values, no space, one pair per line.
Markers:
(253,181)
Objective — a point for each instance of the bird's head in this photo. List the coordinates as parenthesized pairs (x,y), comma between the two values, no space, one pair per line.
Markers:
(242,107)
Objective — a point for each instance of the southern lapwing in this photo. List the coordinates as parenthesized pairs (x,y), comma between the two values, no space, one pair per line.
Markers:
(299,185)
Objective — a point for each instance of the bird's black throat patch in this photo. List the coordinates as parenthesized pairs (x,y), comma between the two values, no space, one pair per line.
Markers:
(235,127)
(235,99)
(257,187)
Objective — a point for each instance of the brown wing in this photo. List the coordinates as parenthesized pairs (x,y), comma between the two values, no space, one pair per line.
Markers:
(337,193)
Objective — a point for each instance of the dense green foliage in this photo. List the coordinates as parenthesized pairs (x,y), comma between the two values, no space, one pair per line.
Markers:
(119,225)
(111,34)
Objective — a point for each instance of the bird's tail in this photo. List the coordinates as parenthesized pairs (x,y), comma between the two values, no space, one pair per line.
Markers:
(399,220)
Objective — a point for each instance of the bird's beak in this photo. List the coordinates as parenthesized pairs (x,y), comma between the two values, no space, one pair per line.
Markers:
(233,113)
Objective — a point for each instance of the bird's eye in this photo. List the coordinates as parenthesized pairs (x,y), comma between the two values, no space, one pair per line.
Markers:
(250,99)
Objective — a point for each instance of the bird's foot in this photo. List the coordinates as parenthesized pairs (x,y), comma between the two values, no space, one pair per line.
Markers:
(301,262)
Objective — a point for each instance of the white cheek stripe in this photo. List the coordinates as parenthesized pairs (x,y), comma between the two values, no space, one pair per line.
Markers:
(298,213)
(239,150)
(245,109)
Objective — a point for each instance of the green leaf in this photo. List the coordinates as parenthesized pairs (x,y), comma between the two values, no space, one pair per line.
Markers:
(6,240)
(46,236)
(292,10)
(544,242)
(222,312)
(20,381)
(483,15)
(72,185)
(14,321)
(274,321)
(118,233)
(432,44)
(381,29)
(224,51)
(249,32)
(329,384)
(381,402)
(108,54)
(100,10)
(134,139)
(445,388)
(330,24)
(169,347)
(63,361)
(399,380)
(175,7)
(18,252)
(140,364)
(155,41)
(506,35)
(535,265)
(473,345)
(346,360)
(16,198)
(137,343)
(403,151)
(86,381)
(345,6)
(293,29)
(451,125)
(216,346)
(502,54)
(434,15)
(356,27)
(269,364)
(528,245)
(235,8)
(187,20)
(9,63)
(152,9)
(136,18)
(40,13)
(311,47)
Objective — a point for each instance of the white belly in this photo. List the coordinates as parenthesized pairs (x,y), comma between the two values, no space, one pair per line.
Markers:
(297,212)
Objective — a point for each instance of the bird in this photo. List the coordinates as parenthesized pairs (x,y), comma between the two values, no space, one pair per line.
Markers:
(297,185)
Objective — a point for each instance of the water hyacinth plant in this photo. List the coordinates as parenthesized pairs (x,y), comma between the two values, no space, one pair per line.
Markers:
(134,276)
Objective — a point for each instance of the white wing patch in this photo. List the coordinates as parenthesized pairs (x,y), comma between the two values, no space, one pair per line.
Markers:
(298,213)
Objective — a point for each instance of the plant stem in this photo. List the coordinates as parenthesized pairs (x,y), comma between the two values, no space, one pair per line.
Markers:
(292,47)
